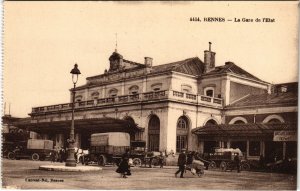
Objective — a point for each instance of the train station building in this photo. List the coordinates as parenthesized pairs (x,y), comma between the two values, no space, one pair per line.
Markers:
(189,104)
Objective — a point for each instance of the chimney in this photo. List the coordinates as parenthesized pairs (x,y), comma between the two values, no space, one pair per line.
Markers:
(209,59)
(148,62)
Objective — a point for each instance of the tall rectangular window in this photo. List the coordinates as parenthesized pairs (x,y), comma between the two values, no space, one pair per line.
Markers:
(181,143)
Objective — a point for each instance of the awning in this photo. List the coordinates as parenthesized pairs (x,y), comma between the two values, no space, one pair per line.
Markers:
(242,130)
(92,125)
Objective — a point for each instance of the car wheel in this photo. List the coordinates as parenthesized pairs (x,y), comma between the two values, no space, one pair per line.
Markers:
(11,156)
(35,156)
(137,162)
(42,158)
(245,166)
(212,165)
(223,166)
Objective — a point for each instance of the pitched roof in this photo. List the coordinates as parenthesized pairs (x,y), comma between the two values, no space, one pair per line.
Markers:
(289,98)
(192,66)
(230,67)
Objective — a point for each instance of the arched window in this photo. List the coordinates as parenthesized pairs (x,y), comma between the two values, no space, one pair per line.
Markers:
(156,87)
(181,124)
(153,133)
(211,122)
(78,98)
(209,91)
(273,119)
(113,92)
(95,95)
(134,90)
(239,122)
(182,132)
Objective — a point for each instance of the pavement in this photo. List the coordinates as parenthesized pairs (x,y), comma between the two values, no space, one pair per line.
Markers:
(63,168)
(25,174)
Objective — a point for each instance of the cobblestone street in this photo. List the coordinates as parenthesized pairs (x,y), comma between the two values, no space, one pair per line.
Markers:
(24,174)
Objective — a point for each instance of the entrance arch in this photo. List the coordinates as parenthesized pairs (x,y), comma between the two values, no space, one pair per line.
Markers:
(153,133)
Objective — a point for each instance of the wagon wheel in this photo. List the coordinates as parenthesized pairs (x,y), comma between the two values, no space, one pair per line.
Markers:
(11,156)
(154,162)
(101,160)
(212,165)
(42,157)
(200,172)
(245,166)
(137,162)
(223,166)
(35,156)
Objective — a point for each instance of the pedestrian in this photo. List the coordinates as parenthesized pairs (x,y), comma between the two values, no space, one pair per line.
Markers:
(59,155)
(262,161)
(161,159)
(181,163)
(52,156)
(124,168)
(63,155)
(237,162)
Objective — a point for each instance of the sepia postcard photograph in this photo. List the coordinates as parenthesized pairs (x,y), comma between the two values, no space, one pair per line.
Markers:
(161,95)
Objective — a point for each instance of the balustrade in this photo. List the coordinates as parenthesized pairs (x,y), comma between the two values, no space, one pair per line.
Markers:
(133,98)
(90,102)
(191,96)
(217,100)
(205,98)
(123,98)
(178,94)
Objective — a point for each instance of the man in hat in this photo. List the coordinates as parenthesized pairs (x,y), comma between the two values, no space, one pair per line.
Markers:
(181,163)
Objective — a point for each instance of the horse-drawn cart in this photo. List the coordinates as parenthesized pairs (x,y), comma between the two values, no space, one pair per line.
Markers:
(224,158)
(107,148)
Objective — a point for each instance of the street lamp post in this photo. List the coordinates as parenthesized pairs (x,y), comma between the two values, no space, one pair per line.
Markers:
(71,151)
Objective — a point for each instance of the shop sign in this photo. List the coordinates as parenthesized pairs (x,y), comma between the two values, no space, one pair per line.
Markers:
(285,136)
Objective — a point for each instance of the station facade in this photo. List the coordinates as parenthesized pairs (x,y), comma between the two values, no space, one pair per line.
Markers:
(168,104)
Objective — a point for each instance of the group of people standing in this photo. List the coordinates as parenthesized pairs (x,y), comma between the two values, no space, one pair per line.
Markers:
(58,155)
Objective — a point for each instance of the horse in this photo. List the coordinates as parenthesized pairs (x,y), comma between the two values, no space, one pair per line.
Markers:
(80,154)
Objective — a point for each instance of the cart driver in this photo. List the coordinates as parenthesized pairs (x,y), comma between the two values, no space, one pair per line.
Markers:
(237,162)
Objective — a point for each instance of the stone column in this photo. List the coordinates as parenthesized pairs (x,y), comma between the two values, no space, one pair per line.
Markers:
(77,140)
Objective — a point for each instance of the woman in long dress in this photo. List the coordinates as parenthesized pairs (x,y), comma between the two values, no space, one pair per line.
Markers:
(124,167)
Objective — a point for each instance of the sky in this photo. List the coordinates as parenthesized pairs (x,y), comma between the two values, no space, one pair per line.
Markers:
(43,40)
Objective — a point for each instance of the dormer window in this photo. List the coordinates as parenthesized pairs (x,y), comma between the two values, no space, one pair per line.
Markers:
(113,92)
(209,91)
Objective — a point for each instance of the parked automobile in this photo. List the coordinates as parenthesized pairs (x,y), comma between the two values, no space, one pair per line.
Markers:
(35,149)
